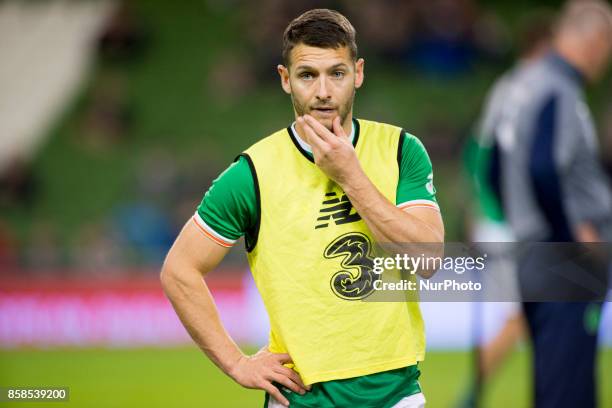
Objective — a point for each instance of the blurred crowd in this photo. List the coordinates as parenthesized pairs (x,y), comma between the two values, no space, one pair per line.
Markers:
(443,38)
(135,232)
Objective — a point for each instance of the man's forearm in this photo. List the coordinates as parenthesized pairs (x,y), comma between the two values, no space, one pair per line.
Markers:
(191,257)
(195,306)
(392,228)
(387,222)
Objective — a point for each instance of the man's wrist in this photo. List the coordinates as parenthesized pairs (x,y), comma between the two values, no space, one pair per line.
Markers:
(233,368)
(355,182)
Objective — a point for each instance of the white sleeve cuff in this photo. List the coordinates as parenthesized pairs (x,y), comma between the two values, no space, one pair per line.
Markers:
(419,203)
(212,234)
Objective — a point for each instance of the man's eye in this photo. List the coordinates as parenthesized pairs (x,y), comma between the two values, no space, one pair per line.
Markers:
(306,75)
(339,74)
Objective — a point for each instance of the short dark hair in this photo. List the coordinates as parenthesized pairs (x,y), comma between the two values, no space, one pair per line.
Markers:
(321,28)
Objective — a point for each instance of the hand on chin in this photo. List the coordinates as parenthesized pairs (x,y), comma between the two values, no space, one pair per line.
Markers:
(324,118)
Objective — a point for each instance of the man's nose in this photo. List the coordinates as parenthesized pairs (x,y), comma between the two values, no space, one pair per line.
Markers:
(323,88)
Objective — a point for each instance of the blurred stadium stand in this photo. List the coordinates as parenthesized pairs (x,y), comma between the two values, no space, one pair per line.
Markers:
(46,51)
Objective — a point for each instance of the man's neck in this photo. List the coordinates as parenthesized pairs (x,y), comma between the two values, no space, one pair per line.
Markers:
(573,58)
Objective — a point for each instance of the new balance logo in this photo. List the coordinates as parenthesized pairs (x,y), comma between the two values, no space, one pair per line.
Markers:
(339,210)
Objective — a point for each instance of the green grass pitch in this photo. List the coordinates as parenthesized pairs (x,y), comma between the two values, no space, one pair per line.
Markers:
(183,377)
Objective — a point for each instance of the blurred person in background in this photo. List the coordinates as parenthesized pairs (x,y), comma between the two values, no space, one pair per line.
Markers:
(488,224)
(553,189)
(607,138)
(483,149)
(310,200)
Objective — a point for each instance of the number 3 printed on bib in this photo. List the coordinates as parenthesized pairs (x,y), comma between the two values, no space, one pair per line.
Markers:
(356,279)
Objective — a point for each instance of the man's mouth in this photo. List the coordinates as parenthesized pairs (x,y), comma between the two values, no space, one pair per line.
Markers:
(324,110)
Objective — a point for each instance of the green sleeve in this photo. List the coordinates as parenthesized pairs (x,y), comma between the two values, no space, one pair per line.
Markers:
(477,159)
(229,207)
(416,173)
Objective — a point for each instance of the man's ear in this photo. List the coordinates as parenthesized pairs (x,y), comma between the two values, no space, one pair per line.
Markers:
(359,75)
(284,77)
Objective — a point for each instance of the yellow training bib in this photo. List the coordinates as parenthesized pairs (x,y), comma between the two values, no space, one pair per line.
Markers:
(312,262)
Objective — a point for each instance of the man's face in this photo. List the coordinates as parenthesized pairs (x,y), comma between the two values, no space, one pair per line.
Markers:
(322,82)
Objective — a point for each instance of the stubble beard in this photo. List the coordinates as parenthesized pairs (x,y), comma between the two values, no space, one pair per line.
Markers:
(343,110)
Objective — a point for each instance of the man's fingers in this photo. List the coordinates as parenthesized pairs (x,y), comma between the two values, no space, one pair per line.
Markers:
(293,376)
(283,380)
(338,129)
(275,393)
(315,141)
(283,358)
(321,131)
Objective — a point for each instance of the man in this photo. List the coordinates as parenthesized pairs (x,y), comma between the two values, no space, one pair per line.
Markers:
(488,226)
(311,201)
(553,190)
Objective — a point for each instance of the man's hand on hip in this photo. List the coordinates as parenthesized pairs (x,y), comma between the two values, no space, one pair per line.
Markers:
(261,369)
